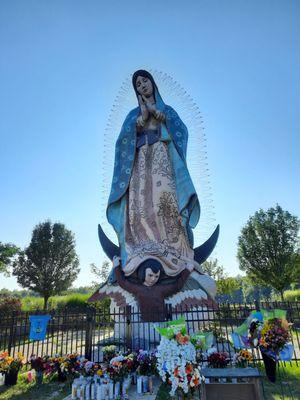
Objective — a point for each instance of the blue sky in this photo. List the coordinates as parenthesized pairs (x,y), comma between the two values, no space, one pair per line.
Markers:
(62,64)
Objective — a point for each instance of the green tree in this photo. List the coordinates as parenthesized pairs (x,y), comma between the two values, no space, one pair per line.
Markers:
(267,248)
(228,285)
(7,252)
(254,292)
(49,265)
(101,273)
(213,269)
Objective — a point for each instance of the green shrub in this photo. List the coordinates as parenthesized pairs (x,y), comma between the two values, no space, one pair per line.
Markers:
(31,303)
(75,300)
(9,305)
(292,295)
(69,301)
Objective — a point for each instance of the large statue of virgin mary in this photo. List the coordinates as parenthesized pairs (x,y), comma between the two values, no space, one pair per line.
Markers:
(153,205)
(153,208)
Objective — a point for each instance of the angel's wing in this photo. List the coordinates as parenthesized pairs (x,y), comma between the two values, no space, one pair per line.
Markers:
(120,298)
(199,290)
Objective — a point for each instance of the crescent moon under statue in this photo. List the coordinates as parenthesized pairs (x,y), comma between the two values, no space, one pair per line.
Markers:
(201,253)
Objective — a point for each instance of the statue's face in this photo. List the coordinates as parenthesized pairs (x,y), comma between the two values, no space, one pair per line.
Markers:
(144,86)
(151,277)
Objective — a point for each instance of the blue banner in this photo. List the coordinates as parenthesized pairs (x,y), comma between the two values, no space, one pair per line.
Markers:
(38,326)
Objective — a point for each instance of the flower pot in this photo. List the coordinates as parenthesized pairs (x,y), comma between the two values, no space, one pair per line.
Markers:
(62,376)
(270,367)
(11,377)
(39,377)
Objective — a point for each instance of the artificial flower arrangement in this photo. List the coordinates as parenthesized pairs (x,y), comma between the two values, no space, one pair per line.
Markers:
(10,366)
(146,362)
(242,359)
(267,330)
(109,352)
(120,367)
(176,358)
(216,359)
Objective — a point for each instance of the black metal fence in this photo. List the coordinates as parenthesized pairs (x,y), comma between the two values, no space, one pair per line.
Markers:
(86,332)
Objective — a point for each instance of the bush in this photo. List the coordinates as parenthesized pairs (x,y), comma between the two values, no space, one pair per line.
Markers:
(31,303)
(9,305)
(71,301)
(292,295)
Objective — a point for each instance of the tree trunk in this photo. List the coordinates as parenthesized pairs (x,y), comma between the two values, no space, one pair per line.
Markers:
(281,295)
(46,298)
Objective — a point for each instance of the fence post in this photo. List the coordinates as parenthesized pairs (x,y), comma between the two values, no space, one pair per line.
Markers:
(11,335)
(168,312)
(257,305)
(89,334)
(128,333)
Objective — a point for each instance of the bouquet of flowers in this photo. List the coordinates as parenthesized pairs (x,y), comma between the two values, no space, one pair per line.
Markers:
(37,363)
(109,352)
(146,363)
(10,366)
(274,335)
(268,330)
(119,368)
(176,359)
(218,359)
(242,359)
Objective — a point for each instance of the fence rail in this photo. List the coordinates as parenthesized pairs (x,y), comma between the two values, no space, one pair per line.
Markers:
(86,332)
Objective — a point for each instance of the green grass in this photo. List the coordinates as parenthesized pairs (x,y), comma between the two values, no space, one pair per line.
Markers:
(292,295)
(290,376)
(30,391)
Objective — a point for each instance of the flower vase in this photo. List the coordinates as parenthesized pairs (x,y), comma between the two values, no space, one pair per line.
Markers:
(11,377)
(126,385)
(39,377)
(139,385)
(2,379)
(133,378)
(183,396)
(117,389)
(180,395)
(111,390)
(61,377)
(150,384)
(270,367)
(145,383)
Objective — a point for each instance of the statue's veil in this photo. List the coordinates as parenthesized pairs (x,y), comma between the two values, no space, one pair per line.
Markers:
(175,96)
